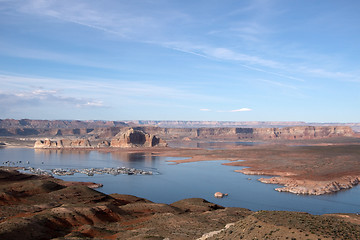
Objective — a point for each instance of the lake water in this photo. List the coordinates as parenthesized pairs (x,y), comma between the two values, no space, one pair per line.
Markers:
(188,180)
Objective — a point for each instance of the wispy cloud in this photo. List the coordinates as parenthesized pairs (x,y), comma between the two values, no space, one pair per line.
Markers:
(241,110)
(149,26)
(121,90)
(250,62)
(227,54)
(91,104)
(137,28)
(279,84)
(125,22)
(323,73)
(205,110)
(40,97)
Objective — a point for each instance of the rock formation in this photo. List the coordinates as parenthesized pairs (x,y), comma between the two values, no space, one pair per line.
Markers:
(302,132)
(124,139)
(63,143)
(194,130)
(286,133)
(220,195)
(136,138)
(229,124)
(311,187)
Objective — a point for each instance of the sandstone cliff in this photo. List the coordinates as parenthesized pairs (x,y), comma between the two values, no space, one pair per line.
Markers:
(215,133)
(230,124)
(302,132)
(136,138)
(286,133)
(63,143)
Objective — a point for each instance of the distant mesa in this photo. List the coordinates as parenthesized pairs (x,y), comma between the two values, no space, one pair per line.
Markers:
(63,143)
(136,138)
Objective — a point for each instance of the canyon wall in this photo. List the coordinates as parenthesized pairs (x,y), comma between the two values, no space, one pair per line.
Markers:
(239,124)
(302,132)
(101,130)
(287,133)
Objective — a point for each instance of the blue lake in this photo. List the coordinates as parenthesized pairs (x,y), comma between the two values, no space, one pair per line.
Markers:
(176,182)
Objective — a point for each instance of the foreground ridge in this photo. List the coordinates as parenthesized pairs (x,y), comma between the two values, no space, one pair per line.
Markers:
(41,207)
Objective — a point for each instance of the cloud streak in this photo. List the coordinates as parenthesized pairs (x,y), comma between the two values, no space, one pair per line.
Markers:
(131,27)
(241,110)
(39,97)
(148,28)
(124,91)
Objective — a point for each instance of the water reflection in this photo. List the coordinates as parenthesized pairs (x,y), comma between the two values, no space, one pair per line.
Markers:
(62,152)
(66,158)
(136,159)
(130,157)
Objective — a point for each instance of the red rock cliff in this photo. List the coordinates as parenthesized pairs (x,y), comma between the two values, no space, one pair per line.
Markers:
(136,138)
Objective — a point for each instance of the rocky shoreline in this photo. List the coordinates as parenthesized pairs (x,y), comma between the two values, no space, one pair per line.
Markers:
(304,186)
(87,171)
(312,187)
(66,171)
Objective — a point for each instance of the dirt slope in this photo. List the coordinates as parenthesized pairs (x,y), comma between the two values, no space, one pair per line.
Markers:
(34,207)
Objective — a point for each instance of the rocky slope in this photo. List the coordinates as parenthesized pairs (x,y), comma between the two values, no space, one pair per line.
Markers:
(34,207)
(291,225)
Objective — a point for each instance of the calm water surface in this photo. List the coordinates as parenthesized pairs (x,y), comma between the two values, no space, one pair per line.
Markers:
(188,180)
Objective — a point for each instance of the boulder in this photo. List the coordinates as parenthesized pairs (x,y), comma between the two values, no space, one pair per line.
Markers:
(220,194)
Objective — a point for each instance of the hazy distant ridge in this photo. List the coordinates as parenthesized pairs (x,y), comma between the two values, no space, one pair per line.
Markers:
(50,124)
(249,124)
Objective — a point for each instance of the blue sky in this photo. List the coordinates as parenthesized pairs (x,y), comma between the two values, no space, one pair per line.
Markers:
(180,60)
